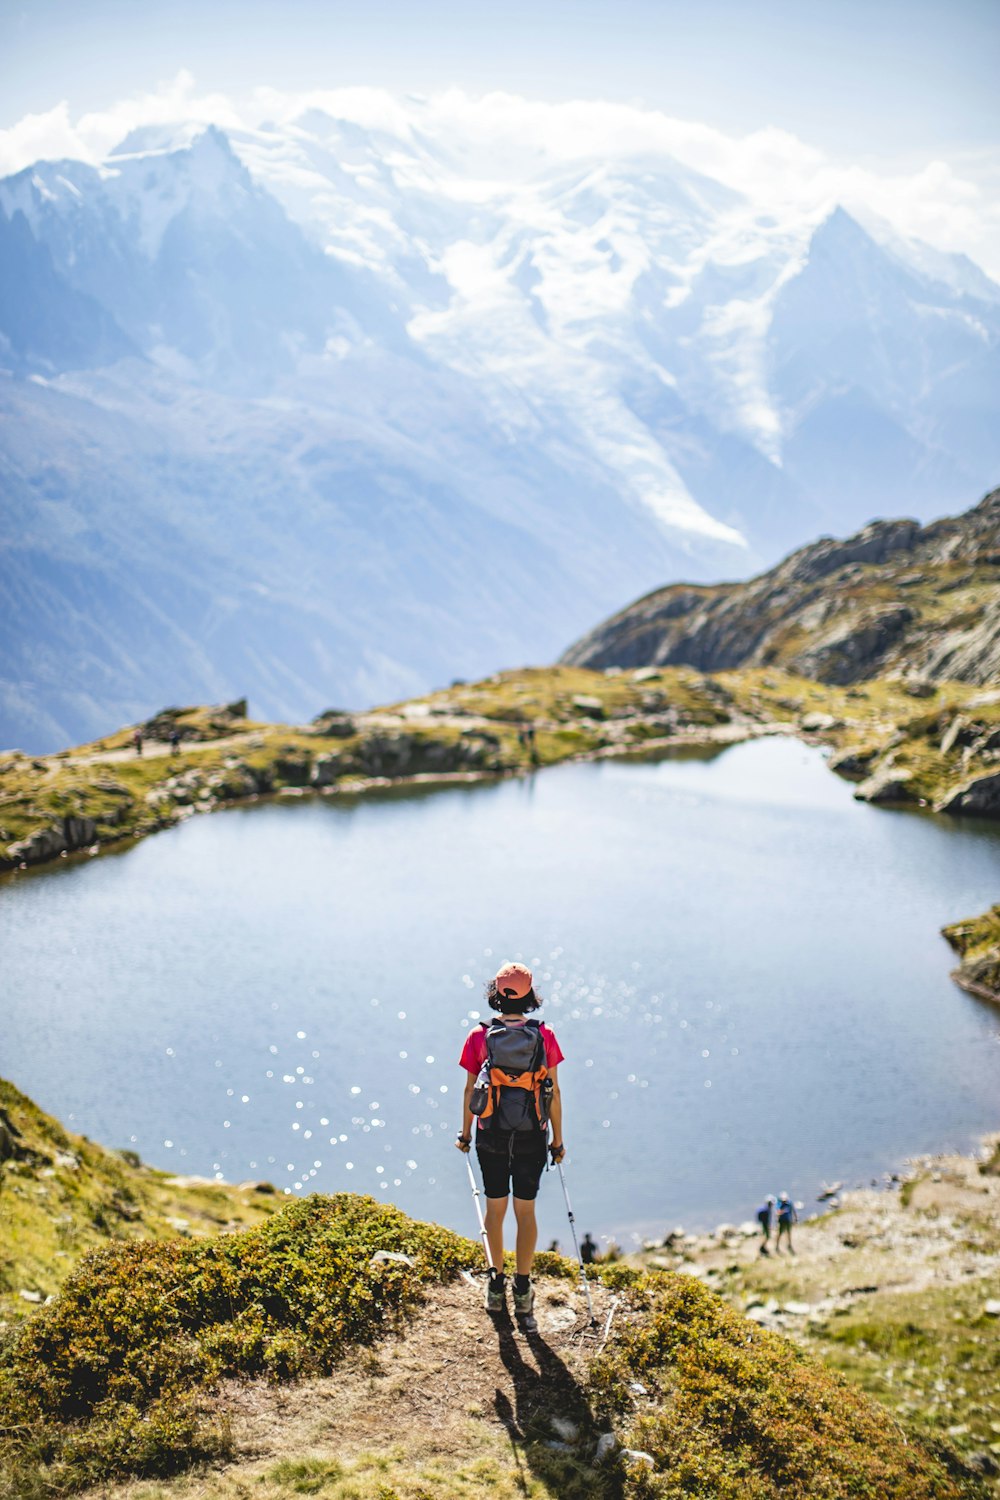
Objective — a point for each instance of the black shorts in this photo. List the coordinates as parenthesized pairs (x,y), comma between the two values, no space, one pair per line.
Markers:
(512,1165)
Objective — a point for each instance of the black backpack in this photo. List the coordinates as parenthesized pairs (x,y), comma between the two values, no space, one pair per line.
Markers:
(510,1092)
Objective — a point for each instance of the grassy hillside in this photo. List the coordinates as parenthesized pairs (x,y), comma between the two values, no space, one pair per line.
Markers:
(142,1362)
(62,1196)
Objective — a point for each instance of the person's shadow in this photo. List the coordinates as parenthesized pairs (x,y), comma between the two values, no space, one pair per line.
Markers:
(544,1390)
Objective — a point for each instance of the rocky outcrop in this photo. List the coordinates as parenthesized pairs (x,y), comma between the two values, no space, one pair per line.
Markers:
(890,786)
(196,724)
(896,598)
(977,943)
(64,837)
(333,723)
(980,798)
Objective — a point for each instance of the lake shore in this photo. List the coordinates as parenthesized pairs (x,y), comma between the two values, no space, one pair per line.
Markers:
(934,751)
(897,1287)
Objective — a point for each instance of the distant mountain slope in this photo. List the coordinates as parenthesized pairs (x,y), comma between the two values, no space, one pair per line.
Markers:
(327,413)
(897,597)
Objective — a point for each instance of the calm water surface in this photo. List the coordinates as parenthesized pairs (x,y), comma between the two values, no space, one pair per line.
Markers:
(741,963)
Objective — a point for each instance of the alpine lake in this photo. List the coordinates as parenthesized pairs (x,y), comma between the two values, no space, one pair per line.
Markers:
(742,965)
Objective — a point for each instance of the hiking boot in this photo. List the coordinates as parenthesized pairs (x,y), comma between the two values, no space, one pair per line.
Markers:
(524,1302)
(496,1294)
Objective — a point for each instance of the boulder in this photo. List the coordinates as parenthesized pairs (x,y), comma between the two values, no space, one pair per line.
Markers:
(955,734)
(887,787)
(918,687)
(79,832)
(853,765)
(979,798)
(10,1140)
(387,754)
(335,723)
(43,844)
(814,723)
(325,770)
(592,707)
(293,767)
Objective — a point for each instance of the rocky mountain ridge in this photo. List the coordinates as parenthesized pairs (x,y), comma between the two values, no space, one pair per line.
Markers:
(896,598)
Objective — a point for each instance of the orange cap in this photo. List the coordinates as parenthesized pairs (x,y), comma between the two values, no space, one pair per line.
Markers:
(513,981)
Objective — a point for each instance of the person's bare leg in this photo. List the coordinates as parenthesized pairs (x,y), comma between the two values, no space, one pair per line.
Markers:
(527,1234)
(496,1208)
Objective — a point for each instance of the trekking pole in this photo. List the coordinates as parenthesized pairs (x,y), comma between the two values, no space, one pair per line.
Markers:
(576,1242)
(479,1212)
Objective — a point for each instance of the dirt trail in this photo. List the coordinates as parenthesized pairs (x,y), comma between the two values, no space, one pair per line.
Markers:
(151,750)
(457,1404)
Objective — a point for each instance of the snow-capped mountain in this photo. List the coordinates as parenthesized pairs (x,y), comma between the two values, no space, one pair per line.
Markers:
(322,413)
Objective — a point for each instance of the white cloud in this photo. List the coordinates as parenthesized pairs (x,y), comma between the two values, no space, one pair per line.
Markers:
(172,102)
(49,137)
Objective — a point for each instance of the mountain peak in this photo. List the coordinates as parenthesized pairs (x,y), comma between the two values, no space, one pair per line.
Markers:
(840,229)
(168,139)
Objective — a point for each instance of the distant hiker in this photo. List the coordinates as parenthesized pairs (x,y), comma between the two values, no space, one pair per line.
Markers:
(786,1218)
(512,1088)
(554,1247)
(175,742)
(137,741)
(765,1218)
(588,1250)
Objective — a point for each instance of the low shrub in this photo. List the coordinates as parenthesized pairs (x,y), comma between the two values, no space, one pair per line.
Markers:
(110,1380)
(735,1412)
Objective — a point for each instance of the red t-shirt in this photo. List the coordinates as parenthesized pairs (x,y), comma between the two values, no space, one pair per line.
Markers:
(474,1052)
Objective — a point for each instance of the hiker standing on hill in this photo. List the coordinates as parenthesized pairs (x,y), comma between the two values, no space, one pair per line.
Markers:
(786,1218)
(513,1088)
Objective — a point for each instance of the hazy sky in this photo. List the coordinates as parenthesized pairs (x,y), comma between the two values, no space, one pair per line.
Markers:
(865,79)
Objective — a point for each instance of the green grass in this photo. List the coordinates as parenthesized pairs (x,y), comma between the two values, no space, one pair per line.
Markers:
(933,1357)
(114,1379)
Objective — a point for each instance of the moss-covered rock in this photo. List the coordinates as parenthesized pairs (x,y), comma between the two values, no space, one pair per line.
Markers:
(977,943)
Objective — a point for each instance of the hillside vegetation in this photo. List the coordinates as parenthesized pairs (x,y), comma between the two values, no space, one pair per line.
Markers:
(62,1195)
(141,1363)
